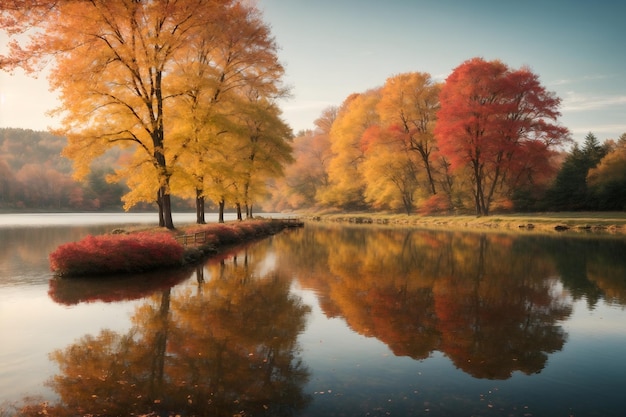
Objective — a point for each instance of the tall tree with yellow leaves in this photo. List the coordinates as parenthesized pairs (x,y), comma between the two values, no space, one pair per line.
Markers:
(117,66)
(408,104)
(390,169)
(346,184)
(264,148)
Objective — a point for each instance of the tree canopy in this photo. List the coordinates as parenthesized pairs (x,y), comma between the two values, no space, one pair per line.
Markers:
(499,126)
(486,137)
(127,70)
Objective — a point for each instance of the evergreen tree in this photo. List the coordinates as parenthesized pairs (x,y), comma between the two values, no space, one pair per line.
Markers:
(570,190)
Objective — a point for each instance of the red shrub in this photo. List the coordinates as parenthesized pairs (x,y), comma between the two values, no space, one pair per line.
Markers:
(227,233)
(116,253)
(437,203)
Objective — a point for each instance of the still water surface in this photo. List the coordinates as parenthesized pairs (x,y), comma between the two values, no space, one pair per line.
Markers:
(320,321)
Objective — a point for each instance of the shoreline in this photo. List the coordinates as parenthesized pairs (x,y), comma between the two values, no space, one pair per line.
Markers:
(587,222)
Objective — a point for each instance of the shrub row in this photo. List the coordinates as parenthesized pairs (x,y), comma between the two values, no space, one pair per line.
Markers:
(107,254)
(233,233)
(147,251)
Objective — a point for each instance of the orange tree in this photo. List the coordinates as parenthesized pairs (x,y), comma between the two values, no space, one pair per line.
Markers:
(497,126)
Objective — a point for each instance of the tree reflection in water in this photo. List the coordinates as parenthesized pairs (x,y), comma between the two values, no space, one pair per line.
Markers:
(227,346)
(489,304)
(226,342)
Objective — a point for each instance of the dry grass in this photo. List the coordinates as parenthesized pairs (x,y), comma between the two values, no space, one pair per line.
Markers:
(612,222)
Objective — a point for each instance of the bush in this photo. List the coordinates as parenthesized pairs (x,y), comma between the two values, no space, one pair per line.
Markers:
(232,233)
(437,203)
(106,254)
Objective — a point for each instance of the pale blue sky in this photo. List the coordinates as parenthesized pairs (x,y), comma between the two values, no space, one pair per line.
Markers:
(332,48)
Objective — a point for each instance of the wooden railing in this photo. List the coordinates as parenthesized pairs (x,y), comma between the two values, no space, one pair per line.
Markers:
(197,238)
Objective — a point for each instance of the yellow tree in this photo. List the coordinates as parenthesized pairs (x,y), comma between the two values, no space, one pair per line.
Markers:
(116,65)
(240,57)
(263,147)
(389,169)
(346,184)
(409,102)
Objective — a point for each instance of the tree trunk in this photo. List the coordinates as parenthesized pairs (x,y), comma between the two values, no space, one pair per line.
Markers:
(167,210)
(239,216)
(426,160)
(221,211)
(159,200)
(408,205)
(200,219)
(159,155)
(431,180)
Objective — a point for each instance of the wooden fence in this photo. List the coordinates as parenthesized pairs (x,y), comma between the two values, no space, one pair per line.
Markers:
(201,237)
(197,238)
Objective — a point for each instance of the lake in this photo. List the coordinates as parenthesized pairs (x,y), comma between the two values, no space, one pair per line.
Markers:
(326,320)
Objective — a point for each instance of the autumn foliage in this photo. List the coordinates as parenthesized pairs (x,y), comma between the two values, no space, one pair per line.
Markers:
(498,127)
(486,138)
(188,88)
(108,254)
(148,251)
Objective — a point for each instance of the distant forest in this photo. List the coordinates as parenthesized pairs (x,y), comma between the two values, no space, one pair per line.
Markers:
(34,176)
(590,176)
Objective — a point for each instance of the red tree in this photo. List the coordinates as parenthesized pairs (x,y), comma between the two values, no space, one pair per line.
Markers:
(498,126)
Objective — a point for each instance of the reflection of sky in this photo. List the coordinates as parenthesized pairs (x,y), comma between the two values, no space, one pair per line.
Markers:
(604,320)
(32,326)
(352,372)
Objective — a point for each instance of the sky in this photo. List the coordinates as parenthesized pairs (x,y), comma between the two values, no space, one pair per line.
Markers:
(333,48)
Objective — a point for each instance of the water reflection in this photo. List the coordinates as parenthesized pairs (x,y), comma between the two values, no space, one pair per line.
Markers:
(71,291)
(461,313)
(491,303)
(593,269)
(24,251)
(223,346)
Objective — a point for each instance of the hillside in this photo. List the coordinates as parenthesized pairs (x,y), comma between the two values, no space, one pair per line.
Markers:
(34,175)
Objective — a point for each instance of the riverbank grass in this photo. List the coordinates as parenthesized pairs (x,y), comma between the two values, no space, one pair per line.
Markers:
(612,222)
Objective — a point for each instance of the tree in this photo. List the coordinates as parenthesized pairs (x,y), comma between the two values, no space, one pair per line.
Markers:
(8,185)
(570,190)
(498,126)
(264,148)
(346,185)
(241,58)
(607,180)
(410,102)
(117,66)
(44,187)
(307,174)
(389,169)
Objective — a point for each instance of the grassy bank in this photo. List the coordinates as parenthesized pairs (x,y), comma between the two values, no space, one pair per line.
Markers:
(613,222)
